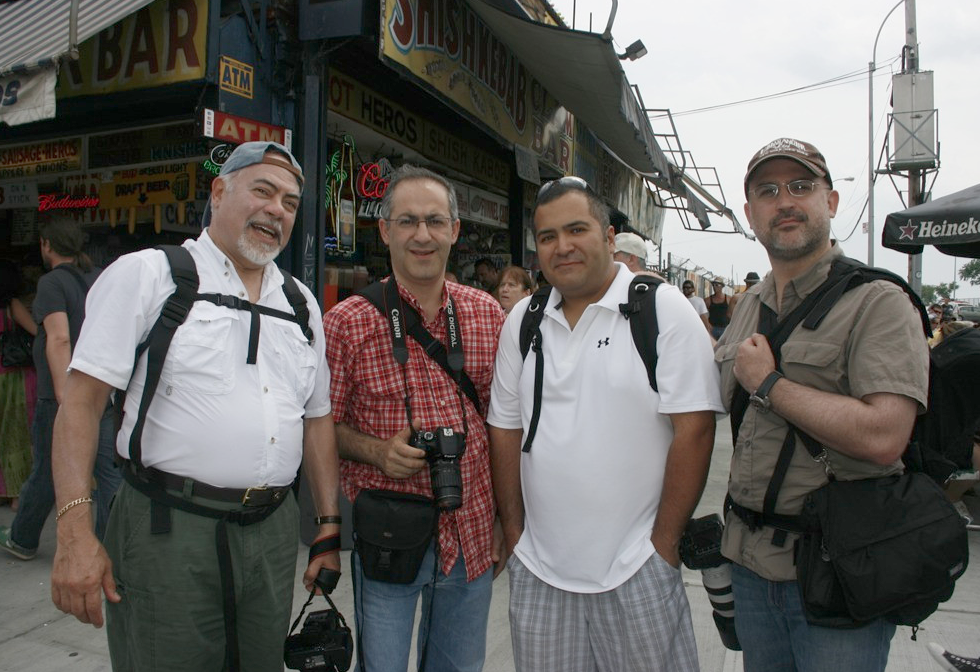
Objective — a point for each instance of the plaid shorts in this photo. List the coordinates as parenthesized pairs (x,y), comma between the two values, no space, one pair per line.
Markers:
(644,625)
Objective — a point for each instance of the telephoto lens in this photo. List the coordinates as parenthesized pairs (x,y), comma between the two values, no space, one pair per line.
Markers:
(718,582)
(700,549)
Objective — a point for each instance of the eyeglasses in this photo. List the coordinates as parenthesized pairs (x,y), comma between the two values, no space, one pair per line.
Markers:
(797,188)
(568,181)
(432,222)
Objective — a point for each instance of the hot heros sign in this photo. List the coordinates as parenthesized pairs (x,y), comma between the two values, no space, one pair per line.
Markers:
(160,44)
(445,44)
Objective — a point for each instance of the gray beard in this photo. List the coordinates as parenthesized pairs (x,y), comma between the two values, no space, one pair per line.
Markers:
(256,253)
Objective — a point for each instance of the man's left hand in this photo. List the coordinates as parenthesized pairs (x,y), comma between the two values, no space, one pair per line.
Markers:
(753,362)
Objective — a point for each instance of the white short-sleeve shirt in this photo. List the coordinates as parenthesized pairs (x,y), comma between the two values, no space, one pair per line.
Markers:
(593,478)
(700,307)
(214,417)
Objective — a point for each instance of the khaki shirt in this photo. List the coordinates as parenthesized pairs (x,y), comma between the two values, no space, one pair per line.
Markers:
(871,341)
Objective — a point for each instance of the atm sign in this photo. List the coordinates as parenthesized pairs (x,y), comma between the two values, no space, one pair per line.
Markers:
(236,77)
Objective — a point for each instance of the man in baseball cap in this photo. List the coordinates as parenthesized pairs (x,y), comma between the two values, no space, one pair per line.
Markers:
(837,382)
(632,251)
(251,153)
(200,550)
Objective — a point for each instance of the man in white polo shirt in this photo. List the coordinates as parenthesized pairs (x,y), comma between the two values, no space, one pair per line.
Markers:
(594,511)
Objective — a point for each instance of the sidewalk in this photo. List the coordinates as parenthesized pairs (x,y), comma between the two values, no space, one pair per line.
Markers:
(35,636)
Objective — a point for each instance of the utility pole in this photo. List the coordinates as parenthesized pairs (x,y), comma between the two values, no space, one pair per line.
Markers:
(916,175)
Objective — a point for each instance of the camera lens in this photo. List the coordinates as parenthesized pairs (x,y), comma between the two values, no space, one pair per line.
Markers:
(447,484)
(718,582)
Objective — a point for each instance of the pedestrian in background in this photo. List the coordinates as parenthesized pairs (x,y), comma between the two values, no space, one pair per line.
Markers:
(17,390)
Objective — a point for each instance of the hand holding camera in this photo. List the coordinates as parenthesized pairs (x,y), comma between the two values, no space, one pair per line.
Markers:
(444,449)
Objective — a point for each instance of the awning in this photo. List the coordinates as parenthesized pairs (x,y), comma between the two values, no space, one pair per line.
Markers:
(37,33)
(950,223)
(583,72)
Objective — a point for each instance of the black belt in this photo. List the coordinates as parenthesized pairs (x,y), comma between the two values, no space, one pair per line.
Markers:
(255,496)
(757,519)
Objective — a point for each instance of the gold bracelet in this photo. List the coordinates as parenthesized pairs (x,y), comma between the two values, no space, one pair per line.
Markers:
(70,505)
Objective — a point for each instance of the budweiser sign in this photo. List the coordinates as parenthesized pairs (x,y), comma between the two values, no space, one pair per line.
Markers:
(65,202)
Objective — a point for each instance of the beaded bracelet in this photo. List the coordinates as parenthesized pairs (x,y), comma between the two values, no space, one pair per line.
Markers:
(70,505)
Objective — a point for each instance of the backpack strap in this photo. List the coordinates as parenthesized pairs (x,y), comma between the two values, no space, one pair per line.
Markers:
(183,271)
(374,293)
(76,274)
(530,338)
(641,311)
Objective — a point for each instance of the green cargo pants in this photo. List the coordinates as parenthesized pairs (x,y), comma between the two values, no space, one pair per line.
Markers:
(171,616)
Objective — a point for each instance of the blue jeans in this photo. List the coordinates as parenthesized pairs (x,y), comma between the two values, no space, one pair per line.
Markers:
(716,332)
(454,637)
(775,636)
(37,493)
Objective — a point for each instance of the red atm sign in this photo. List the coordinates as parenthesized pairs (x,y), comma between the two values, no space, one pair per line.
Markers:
(237,130)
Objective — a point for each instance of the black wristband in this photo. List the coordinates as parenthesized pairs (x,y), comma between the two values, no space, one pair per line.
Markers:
(328,520)
(324,545)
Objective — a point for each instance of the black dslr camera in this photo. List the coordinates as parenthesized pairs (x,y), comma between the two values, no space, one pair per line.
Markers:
(325,642)
(443,450)
(700,549)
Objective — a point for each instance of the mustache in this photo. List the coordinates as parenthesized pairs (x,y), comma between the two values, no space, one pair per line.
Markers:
(791,214)
(274,226)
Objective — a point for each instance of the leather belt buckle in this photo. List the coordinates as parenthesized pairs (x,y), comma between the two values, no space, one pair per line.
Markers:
(257,492)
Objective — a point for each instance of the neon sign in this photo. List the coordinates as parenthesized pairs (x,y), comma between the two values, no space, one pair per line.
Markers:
(65,202)
(373,179)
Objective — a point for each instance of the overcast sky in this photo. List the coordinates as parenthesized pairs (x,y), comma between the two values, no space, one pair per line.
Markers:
(712,52)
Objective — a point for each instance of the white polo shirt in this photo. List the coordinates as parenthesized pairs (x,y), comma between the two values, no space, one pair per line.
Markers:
(593,478)
(214,417)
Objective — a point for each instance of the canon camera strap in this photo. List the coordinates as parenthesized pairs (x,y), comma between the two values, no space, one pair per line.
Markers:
(385,295)
(403,318)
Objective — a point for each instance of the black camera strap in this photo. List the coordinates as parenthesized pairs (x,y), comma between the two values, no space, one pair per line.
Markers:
(402,319)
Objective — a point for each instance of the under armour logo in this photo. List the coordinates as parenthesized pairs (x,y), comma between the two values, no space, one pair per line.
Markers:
(602,342)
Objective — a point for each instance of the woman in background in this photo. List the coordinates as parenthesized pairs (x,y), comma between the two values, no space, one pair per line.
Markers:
(513,286)
(17,389)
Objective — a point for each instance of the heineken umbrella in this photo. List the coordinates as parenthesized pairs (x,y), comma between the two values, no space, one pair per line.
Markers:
(950,223)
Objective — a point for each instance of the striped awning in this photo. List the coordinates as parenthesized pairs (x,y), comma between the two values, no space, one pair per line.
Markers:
(37,33)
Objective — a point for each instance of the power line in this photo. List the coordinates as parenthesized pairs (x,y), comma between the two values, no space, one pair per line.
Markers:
(847,78)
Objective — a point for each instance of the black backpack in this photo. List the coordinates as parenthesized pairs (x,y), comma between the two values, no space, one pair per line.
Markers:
(641,311)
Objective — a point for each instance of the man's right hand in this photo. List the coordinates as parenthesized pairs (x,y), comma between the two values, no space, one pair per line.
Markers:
(82,571)
(397,458)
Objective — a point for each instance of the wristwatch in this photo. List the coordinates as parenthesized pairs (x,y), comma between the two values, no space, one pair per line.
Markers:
(760,398)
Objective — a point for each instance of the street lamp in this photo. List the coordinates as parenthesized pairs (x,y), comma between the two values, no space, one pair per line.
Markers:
(871,141)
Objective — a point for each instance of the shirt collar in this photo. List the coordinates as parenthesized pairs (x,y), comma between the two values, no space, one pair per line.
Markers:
(410,298)
(801,286)
(610,300)
(272,278)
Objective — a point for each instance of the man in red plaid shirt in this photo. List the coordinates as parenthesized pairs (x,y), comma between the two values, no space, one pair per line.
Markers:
(373,396)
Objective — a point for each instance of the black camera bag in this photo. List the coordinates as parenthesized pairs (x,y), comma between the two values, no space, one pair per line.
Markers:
(888,547)
(392,531)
